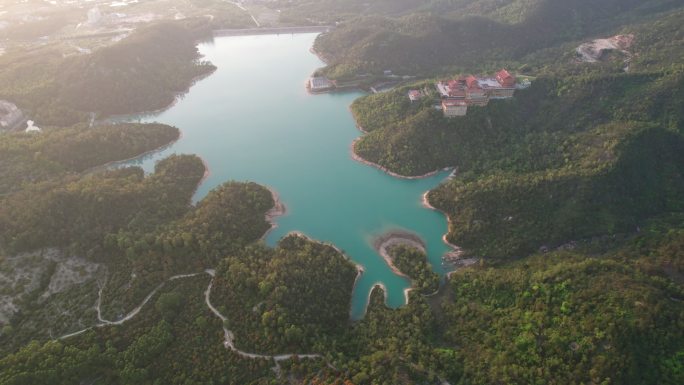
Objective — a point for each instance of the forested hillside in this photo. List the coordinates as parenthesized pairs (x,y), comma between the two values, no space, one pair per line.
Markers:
(564,318)
(415,265)
(421,43)
(588,150)
(293,298)
(581,315)
(142,72)
(61,210)
(28,158)
(79,213)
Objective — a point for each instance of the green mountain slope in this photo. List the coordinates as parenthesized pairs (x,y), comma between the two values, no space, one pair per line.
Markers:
(423,42)
(142,72)
(588,150)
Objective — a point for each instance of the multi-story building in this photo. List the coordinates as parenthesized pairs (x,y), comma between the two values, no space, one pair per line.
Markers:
(475,95)
(452,108)
(319,84)
(494,89)
(475,91)
(505,79)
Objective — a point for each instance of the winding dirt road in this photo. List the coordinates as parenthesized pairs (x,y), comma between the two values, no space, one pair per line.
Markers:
(229,337)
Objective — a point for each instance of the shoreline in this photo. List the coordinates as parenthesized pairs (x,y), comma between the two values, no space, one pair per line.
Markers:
(400,237)
(122,118)
(457,250)
(319,55)
(109,164)
(326,63)
(359,273)
(278,210)
(308,238)
(116,118)
(454,257)
(360,270)
(370,292)
(360,159)
(407,293)
(382,243)
(205,176)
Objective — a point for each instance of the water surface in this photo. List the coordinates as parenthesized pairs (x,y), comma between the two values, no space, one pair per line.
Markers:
(253,120)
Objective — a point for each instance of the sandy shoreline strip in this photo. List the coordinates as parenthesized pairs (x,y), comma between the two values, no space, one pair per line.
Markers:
(382,244)
(384,291)
(395,238)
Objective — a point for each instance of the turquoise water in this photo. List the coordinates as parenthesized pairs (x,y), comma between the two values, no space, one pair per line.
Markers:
(253,120)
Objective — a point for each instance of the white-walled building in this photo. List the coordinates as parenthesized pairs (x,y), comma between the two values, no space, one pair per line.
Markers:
(31,128)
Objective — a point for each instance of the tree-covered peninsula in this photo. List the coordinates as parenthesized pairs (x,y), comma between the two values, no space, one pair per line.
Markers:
(413,262)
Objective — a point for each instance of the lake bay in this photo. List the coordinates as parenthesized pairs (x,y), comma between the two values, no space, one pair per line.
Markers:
(253,120)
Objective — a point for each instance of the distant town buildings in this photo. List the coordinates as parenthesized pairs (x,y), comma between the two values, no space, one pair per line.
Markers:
(10,116)
(458,94)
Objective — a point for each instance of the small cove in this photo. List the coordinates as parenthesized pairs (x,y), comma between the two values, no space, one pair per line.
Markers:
(252,120)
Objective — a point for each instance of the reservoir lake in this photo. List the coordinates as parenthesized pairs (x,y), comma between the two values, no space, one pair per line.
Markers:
(253,120)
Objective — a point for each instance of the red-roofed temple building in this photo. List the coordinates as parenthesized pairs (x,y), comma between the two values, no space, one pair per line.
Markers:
(475,91)
(505,79)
